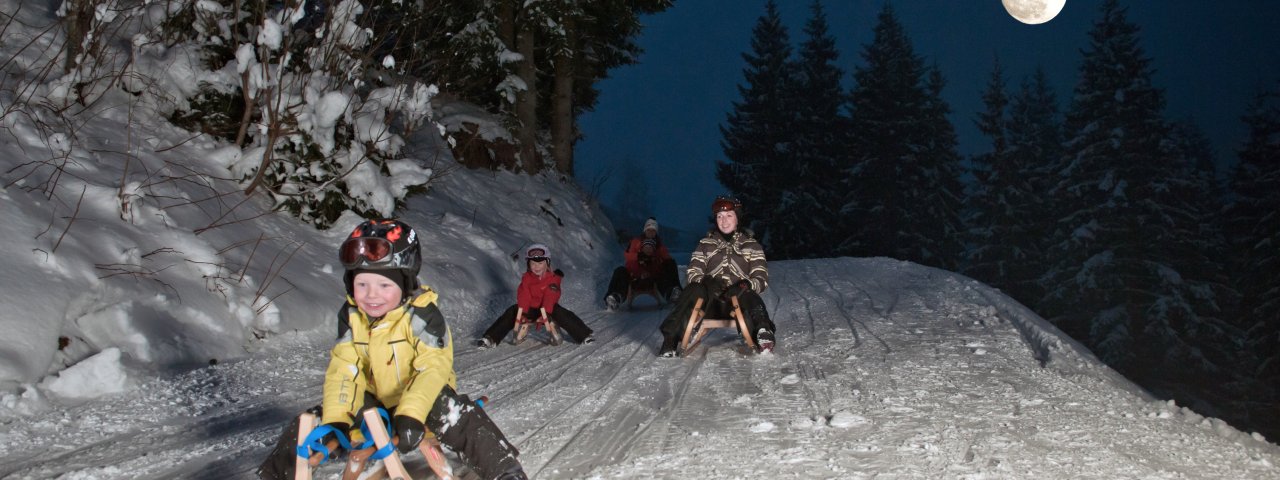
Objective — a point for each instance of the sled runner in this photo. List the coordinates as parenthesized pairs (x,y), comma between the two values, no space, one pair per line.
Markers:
(698,326)
(383,448)
(651,289)
(524,325)
(302,465)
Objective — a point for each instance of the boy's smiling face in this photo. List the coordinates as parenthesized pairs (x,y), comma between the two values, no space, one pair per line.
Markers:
(375,294)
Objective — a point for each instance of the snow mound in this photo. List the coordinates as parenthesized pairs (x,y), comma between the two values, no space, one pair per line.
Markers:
(96,376)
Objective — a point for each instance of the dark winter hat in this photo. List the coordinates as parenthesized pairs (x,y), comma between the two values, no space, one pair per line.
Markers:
(407,284)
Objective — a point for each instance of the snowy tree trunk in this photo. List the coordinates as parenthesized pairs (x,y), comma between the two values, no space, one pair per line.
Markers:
(562,131)
(79,16)
(527,100)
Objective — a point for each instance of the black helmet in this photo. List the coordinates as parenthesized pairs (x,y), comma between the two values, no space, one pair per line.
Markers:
(382,245)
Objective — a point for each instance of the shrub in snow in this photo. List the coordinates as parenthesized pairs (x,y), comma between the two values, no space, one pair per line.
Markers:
(311,96)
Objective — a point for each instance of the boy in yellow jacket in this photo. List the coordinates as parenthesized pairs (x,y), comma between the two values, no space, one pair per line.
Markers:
(395,351)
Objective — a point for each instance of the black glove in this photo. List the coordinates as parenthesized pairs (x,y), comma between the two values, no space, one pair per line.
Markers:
(344,428)
(736,289)
(558,273)
(410,432)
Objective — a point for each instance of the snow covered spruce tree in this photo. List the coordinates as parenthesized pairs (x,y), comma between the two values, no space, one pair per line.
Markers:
(536,64)
(1254,226)
(758,137)
(902,171)
(804,221)
(1130,276)
(1006,222)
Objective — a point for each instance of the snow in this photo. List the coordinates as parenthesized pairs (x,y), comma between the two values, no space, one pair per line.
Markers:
(158,330)
(94,377)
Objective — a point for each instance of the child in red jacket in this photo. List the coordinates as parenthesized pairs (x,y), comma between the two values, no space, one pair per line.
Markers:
(539,291)
(648,266)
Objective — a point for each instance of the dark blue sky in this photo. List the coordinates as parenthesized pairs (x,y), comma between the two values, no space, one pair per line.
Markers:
(665,113)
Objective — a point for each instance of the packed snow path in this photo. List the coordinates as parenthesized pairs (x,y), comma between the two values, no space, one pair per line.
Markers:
(883,369)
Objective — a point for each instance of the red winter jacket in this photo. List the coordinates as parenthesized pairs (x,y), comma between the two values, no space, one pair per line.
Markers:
(538,292)
(652,265)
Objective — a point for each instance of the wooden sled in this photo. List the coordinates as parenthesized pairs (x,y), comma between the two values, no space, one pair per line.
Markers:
(391,465)
(524,325)
(698,326)
(652,291)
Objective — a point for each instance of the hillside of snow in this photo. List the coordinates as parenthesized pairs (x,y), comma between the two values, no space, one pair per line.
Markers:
(884,369)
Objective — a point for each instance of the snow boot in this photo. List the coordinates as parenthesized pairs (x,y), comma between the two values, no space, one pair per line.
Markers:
(764,338)
(668,348)
(612,301)
(484,342)
(515,473)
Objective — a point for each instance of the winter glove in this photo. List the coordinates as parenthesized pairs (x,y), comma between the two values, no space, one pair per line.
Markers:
(338,427)
(736,289)
(410,432)
(558,273)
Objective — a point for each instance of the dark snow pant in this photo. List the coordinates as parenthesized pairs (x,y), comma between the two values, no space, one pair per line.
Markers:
(752,309)
(564,318)
(666,280)
(456,422)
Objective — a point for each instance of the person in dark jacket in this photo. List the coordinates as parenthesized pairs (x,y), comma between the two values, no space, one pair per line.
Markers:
(728,262)
(648,266)
(538,294)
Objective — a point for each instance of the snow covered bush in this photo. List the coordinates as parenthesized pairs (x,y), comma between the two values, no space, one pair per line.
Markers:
(311,94)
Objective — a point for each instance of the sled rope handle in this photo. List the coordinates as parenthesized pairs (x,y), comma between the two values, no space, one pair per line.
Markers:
(315,442)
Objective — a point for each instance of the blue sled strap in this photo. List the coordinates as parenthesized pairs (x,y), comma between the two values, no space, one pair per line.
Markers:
(315,442)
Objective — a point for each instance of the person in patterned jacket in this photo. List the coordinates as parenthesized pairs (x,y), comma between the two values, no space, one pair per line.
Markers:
(728,262)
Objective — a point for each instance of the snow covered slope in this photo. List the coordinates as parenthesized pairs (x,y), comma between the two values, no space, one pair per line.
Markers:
(884,369)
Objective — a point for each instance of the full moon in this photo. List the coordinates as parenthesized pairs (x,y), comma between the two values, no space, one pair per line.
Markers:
(1033,12)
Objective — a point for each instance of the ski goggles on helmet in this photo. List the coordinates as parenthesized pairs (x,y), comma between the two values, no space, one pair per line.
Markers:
(725,203)
(535,255)
(364,251)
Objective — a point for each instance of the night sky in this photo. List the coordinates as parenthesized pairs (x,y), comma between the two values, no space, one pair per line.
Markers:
(1210,58)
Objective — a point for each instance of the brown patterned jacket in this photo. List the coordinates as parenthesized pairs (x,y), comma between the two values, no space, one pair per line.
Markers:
(739,258)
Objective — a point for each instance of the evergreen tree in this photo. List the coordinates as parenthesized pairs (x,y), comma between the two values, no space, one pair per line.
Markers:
(1035,145)
(935,198)
(1130,275)
(901,173)
(987,217)
(1006,229)
(757,138)
(803,225)
(1254,226)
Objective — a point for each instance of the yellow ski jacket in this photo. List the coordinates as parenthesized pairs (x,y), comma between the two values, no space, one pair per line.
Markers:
(403,359)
